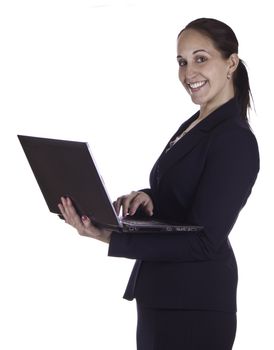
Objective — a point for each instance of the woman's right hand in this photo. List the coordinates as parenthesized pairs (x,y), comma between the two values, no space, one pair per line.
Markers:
(131,202)
(82,224)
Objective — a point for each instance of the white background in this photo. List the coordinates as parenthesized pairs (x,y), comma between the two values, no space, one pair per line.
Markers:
(105,72)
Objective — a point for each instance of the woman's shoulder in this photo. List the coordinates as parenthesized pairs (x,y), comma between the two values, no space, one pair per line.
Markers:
(234,136)
(234,128)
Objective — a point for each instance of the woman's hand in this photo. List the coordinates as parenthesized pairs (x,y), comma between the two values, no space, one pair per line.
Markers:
(83,225)
(131,202)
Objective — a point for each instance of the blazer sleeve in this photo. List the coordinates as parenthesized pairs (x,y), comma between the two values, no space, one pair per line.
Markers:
(224,187)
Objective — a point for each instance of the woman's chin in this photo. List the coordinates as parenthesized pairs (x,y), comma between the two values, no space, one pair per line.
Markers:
(196,100)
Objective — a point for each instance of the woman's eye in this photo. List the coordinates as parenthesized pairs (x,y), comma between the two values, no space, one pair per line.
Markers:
(201,59)
(181,63)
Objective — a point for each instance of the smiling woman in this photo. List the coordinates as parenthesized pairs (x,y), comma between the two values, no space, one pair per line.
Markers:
(185,284)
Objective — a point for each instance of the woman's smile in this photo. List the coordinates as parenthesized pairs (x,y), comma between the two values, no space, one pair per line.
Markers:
(196,86)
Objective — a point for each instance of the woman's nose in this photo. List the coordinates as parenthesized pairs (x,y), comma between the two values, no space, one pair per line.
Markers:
(190,72)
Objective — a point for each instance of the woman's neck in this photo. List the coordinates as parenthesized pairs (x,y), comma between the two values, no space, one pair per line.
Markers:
(208,108)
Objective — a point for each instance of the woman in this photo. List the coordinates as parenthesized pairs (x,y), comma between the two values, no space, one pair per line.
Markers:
(185,284)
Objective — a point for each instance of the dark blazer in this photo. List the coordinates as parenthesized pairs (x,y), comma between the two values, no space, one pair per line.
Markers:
(204,179)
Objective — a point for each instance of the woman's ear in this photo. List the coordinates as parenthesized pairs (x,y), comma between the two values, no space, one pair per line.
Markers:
(233,63)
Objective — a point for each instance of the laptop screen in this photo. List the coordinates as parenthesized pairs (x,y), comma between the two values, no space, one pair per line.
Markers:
(66,168)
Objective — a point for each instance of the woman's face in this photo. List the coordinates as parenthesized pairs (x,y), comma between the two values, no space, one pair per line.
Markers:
(203,71)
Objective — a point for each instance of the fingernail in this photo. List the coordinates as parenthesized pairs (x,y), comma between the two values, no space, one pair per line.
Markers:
(84,218)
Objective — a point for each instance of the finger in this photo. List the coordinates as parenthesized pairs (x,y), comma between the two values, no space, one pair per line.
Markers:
(70,207)
(142,200)
(148,207)
(135,203)
(62,210)
(64,206)
(88,228)
(70,213)
(86,222)
(117,205)
(127,202)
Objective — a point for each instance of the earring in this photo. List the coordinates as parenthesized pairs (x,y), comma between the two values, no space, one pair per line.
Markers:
(228,76)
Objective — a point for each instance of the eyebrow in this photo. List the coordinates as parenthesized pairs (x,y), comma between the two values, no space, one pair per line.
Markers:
(199,51)
(194,52)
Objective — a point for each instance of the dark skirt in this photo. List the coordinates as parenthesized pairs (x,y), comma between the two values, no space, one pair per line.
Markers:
(165,329)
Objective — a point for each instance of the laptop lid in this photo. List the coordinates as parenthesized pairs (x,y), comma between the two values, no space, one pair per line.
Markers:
(66,168)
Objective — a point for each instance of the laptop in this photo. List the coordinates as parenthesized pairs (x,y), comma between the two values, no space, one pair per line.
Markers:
(67,168)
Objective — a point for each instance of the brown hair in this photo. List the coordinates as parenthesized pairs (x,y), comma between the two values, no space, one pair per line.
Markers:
(225,41)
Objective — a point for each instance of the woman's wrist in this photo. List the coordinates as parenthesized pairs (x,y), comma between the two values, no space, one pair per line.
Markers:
(105,235)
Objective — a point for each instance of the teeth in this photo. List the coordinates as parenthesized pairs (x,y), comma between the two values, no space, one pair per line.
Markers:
(197,85)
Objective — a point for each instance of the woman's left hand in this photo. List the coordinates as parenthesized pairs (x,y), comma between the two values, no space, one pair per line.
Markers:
(82,224)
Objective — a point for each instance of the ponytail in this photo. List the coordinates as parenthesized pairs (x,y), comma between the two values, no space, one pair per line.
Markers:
(242,89)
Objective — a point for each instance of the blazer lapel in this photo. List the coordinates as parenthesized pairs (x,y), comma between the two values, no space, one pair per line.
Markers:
(182,147)
(179,150)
